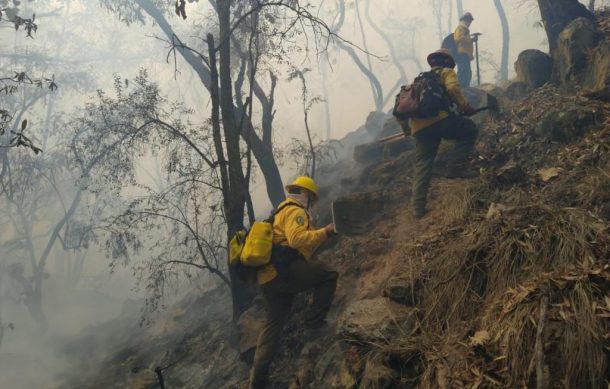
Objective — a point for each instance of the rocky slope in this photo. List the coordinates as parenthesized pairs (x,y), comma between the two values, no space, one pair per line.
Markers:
(505,283)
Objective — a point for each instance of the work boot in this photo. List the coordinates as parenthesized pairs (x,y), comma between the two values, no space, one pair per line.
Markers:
(462,173)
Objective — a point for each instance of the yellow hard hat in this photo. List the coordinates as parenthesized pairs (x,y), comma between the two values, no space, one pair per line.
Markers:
(304,182)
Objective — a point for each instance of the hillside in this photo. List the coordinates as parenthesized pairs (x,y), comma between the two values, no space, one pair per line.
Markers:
(505,282)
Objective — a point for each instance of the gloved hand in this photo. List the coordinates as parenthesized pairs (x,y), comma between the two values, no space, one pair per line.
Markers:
(469,111)
(330,230)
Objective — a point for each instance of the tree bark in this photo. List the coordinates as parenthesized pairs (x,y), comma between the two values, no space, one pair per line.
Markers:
(592,5)
(557,14)
(505,40)
(242,294)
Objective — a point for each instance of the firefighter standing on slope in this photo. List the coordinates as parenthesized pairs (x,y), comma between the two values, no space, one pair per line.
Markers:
(294,242)
(465,49)
(429,132)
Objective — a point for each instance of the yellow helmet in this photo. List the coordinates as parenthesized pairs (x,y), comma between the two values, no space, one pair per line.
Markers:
(304,182)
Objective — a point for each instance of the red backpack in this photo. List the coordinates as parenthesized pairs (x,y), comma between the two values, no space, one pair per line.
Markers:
(425,98)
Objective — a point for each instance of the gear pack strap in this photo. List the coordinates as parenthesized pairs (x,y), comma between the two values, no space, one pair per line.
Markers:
(272,217)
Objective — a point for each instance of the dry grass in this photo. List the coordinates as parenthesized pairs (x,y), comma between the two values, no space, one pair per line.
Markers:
(491,276)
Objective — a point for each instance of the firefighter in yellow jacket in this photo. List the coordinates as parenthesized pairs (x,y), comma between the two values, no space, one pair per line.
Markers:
(429,132)
(465,49)
(291,272)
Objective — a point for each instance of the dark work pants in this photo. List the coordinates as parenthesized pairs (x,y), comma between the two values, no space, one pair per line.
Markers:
(427,140)
(302,276)
(464,72)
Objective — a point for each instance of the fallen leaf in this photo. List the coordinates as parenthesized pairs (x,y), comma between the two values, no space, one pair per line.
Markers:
(549,173)
(495,210)
(480,338)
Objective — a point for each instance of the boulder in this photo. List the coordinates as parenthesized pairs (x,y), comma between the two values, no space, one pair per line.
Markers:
(534,68)
(597,78)
(374,152)
(490,89)
(376,319)
(516,90)
(565,123)
(354,213)
(573,49)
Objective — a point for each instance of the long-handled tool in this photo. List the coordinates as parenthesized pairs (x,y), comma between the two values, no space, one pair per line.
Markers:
(476,36)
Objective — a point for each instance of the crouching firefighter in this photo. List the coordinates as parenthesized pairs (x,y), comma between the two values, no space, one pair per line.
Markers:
(291,272)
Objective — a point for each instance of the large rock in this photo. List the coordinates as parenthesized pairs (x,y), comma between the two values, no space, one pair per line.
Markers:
(516,90)
(573,49)
(597,78)
(376,319)
(354,213)
(565,123)
(374,152)
(534,68)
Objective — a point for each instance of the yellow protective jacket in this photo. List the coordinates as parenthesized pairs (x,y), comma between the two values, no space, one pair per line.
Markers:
(450,81)
(463,40)
(291,227)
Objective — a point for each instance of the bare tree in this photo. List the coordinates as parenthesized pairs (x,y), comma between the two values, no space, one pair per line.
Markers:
(393,55)
(307,104)
(460,8)
(231,120)
(591,5)
(376,88)
(505,40)
(557,14)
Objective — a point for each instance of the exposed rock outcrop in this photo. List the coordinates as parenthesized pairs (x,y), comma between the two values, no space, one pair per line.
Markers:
(534,68)
(376,319)
(573,50)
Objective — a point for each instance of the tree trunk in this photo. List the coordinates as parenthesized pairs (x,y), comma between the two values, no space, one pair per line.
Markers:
(35,302)
(242,294)
(505,40)
(557,14)
(460,8)
(591,5)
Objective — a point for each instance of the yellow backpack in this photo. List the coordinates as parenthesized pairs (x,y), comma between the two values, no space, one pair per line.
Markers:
(236,246)
(257,244)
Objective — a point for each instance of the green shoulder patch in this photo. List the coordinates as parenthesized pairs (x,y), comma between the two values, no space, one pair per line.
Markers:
(300,221)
